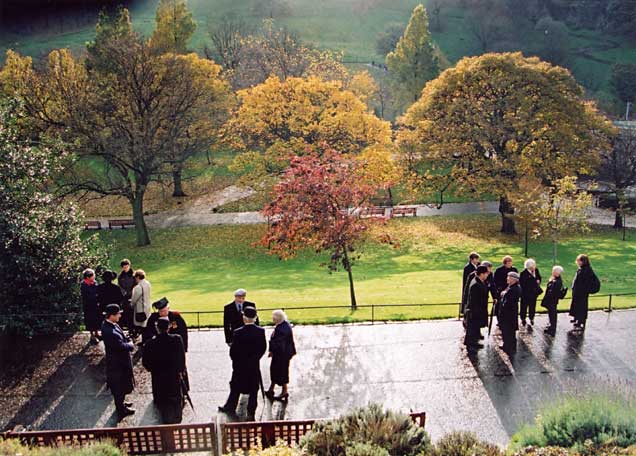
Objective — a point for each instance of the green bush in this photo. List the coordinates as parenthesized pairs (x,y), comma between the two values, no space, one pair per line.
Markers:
(394,432)
(14,448)
(554,451)
(365,449)
(594,421)
(464,444)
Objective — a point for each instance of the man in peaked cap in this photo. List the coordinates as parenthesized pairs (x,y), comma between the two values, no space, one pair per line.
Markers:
(509,313)
(248,347)
(119,369)
(177,323)
(233,314)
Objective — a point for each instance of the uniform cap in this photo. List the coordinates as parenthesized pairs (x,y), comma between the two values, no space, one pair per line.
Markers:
(249,312)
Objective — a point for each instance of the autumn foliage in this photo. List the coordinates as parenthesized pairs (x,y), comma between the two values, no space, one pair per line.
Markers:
(318,205)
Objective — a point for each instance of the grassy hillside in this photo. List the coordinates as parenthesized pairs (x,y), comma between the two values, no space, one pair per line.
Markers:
(198,268)
(347,25)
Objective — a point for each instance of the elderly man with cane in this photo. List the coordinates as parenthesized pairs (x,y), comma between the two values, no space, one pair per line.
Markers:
(248,347)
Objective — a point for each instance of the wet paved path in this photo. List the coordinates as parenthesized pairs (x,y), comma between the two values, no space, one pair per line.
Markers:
(405,366)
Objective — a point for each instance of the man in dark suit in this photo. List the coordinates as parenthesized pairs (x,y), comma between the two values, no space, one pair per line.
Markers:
(119,369)
(509,313)
(164,357)
(248,347)
(471,267)
(233,314)
(177,323)
(476,311)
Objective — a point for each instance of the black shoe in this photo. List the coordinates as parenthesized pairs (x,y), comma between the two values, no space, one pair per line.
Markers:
(227,411)
(128,404)
(573,321)
(531,322)
(269,395)
(523,322)
(282,397)
(481,337)
(121,414)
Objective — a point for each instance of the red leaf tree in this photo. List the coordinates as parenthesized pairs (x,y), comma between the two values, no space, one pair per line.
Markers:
(318,204)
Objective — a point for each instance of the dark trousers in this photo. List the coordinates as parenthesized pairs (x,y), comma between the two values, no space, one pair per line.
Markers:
(528,308)
(509,337)
(119,398)
(552,316)
(233,398)
(473,332)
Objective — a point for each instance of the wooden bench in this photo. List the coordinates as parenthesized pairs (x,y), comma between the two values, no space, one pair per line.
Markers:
(93,225)
(121,223)
(404,211)
(374,211)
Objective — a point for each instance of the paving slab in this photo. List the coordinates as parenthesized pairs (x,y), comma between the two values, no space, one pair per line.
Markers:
(417,366)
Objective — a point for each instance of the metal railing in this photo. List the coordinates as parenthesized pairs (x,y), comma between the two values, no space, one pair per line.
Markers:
(371,313)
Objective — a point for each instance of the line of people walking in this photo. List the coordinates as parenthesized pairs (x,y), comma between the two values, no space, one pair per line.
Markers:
(514,297)
(109,309)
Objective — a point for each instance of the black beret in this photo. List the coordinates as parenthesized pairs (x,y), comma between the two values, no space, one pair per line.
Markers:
(163,302)
(249,312)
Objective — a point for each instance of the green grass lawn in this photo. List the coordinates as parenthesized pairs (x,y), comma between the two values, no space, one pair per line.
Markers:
(198,268)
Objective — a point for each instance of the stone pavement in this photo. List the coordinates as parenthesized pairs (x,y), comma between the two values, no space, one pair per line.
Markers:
(405,366)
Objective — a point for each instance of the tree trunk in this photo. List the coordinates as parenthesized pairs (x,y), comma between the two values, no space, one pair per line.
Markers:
(554,252)
(138,216)
(507,211)
(352,291)
(526,241)
(618,219)
(390,194)
(176,179)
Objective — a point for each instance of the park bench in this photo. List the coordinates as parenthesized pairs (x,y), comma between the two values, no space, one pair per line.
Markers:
(404,212)
(121,223)
(374,211)
(93,225)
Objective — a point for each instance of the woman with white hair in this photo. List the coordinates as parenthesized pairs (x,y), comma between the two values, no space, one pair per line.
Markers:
(530,281)
(553,293)
(281,349)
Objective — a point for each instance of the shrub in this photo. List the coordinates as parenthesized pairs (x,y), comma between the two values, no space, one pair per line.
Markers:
(395,432)
(365,449)
(594,421)
(14,447)
(280,449)
(554,451)
(464,444)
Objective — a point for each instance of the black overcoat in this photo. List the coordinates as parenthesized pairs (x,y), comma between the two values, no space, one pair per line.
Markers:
(501,277)
(469,269)
(508,317)
(581,289)
(92,314)
(233,319)
(248,346)
(164,357)
(530,290)
(477,303)
(177,326)
(108,293)
(126,282)
(119,369)
(554,291)
(283,349)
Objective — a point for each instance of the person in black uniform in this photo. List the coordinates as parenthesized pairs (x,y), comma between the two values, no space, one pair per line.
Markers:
(471,267)
(509,313)
(164,357)
(126,281)
(119,369)
(177,323)
(248,347)
(476,311)
(108,292)
(553,293)
(233,314)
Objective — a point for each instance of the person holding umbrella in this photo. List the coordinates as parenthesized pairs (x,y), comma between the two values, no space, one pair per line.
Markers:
(248,347)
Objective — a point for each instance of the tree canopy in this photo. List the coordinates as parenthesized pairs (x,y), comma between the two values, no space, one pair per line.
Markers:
(492,119)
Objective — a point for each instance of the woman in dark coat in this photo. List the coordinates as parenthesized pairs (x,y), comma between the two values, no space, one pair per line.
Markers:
(108,292)
(126,282)
(553,293)
(92,314)
(530,281)
(508,316)
(281,349)
(585,283)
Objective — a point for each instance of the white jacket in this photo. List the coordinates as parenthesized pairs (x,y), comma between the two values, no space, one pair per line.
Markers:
(141,301)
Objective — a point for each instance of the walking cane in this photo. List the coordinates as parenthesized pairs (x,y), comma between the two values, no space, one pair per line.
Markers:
(492,312)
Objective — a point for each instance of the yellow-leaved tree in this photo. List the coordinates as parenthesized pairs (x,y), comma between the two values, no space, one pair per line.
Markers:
(174,27)
(277,120)
(492,119)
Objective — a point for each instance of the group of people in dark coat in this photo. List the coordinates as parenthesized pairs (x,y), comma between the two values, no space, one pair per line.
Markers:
(248,344)
(515,296)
